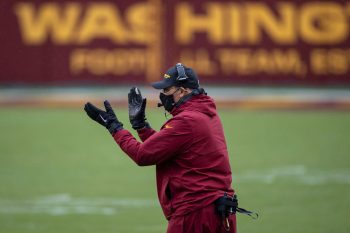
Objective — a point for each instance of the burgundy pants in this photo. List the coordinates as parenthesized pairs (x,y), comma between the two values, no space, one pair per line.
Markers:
(204,220)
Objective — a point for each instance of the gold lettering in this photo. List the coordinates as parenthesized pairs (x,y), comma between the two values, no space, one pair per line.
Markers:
(48,20)
(141,20)
(248,61)
(323,23)
(103,62)
(318,62)
(338,61)
(235,61)
(260,17)
(77,60)
(102,20)
(200,60)
(262,62)
(289,62)
(187,23)
(332,61)
(234,26)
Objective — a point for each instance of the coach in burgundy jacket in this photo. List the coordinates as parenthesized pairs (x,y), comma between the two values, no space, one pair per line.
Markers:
(189,152)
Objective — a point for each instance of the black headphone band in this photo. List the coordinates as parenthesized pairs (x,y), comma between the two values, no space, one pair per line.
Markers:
(181,72)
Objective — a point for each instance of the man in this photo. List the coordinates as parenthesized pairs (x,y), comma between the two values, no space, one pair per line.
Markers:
(189,151)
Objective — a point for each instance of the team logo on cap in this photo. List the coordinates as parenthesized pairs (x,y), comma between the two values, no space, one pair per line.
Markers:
(166,76)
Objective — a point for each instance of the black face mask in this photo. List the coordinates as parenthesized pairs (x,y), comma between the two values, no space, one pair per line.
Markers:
(167,101)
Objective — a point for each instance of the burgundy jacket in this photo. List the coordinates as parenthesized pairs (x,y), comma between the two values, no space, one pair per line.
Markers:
(190,155)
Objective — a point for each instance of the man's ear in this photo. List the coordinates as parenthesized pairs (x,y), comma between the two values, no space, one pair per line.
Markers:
(187,90)
(183,90)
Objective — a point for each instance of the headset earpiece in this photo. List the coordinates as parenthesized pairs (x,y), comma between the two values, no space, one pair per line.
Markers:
(181,72)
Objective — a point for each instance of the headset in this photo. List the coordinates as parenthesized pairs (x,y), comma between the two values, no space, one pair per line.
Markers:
(181,73)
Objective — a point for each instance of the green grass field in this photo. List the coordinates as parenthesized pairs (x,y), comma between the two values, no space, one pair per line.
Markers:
(62,173)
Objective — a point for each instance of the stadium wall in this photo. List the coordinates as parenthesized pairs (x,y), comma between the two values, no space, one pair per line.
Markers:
(278,43)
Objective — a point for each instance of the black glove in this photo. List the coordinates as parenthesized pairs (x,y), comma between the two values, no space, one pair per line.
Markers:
(137,106)
(106,118)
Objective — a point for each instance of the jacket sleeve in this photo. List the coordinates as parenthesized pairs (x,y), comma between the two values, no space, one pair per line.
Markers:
(174,136)
(145,133)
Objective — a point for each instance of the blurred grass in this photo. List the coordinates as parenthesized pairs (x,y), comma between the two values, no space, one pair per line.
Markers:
(45,152)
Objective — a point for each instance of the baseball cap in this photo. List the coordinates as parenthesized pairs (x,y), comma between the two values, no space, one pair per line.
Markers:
(187,79)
